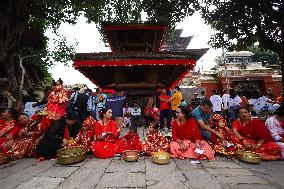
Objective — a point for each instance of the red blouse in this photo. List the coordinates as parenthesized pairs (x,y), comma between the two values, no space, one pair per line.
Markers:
(188,130)
(110,127)
(255,130)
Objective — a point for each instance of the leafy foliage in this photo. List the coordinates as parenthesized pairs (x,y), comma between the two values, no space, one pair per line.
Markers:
(262,55)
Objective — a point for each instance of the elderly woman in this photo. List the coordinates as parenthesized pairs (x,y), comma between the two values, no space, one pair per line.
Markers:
(107,134)
(29,136)
(275,126)
(253,135)
(9,129)
(187,141)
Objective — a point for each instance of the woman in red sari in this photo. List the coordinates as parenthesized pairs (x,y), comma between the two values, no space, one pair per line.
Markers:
(187,141)
(9,129)
(107,134)
(56,104)
(29,137)
(253,135)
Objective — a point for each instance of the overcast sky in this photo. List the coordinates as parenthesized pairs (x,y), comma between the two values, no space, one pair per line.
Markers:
(90,40)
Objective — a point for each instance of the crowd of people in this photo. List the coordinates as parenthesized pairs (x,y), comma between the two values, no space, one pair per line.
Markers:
(199,130)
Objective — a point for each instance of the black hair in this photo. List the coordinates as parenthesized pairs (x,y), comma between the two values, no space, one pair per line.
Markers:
(23,115)
(206,102)
(279,111)
(102,112)
(242,108)
(203,93)
(214,91)
(133,128)
(185,112)
(14,113)
(232,93)
(177,88)
(72,115)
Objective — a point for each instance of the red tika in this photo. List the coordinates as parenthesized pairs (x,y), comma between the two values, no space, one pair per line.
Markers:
(154,142)
(106,148)
(254,131)
(10,128)
(188,133)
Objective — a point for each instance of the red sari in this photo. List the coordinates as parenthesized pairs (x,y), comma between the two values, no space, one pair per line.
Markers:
(107,147)
(254,131)
(129,142)
(56,104)
(10,128)
(154,142)
(86,135)
(25,144)
(188,133)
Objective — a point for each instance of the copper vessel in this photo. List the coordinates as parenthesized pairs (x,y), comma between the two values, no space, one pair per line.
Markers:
(161,158)
(130,155)
(4,159)
(70,155)
(249,157)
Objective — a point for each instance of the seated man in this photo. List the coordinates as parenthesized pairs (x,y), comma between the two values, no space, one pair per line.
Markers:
(202,116)
(135,114)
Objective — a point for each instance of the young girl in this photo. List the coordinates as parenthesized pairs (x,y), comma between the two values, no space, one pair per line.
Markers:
(130,141)
(154,141)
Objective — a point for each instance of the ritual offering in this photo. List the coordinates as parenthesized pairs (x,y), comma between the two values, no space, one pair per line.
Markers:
(249,157)
(71,155)
(160,158)
(130,155)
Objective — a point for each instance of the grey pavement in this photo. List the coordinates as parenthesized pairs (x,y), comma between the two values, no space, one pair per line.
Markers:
(115,173)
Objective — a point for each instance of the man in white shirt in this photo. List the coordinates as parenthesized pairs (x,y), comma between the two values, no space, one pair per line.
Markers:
(216,101)
(225,99)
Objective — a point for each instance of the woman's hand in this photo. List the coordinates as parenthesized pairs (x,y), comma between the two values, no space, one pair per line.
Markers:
(65,142)
(198,144)
(182,147)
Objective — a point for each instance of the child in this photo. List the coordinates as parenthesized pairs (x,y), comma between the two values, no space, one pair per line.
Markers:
(154,141)
(130,141)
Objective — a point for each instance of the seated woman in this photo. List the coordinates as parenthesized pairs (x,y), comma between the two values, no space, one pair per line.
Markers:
(107,134)
(57,136)
(29,137)
(253,135)
(130,141)
(275,126)
(9,130)
(227,146)
(187,141)
(154,141)
(86,135)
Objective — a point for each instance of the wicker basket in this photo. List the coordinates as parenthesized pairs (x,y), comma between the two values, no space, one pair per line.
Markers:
(161,158)
(130,155)
(71,155)
(249,157)
(4,159)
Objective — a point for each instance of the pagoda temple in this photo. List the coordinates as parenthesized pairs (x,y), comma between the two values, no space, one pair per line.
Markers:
(140,60)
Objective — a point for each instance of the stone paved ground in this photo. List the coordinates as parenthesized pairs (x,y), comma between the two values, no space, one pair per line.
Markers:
(115,173)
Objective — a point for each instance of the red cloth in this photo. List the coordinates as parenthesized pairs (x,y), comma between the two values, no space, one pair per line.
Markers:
(188,130)
(163,104)
(129,142)
(255,130)
(107,148)
(11,128)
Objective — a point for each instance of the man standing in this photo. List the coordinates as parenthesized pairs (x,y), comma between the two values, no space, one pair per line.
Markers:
(216,101)
(175,100)
(101,101)
(202,116)
(165,112)
(135,114)
(195,101)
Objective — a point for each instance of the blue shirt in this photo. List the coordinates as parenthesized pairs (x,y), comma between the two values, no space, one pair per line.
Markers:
(198,115)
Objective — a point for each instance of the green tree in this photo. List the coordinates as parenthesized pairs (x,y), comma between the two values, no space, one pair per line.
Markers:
(262,55)
(240,23)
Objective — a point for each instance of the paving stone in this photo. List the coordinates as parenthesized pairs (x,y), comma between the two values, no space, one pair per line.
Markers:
(228,172)
(241,179)
(5,165)
(121,166)
(47,163)
(252,186)
(221,164)
(41,182)
(7,171)
(122,180)
(201,179)
(63,172)
(97,163)
(21,176)
(186,164)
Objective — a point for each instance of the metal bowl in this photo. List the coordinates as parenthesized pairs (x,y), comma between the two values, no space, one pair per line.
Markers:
(4,159)
(249,157)
(160,158)
(130,155)
(70,155)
